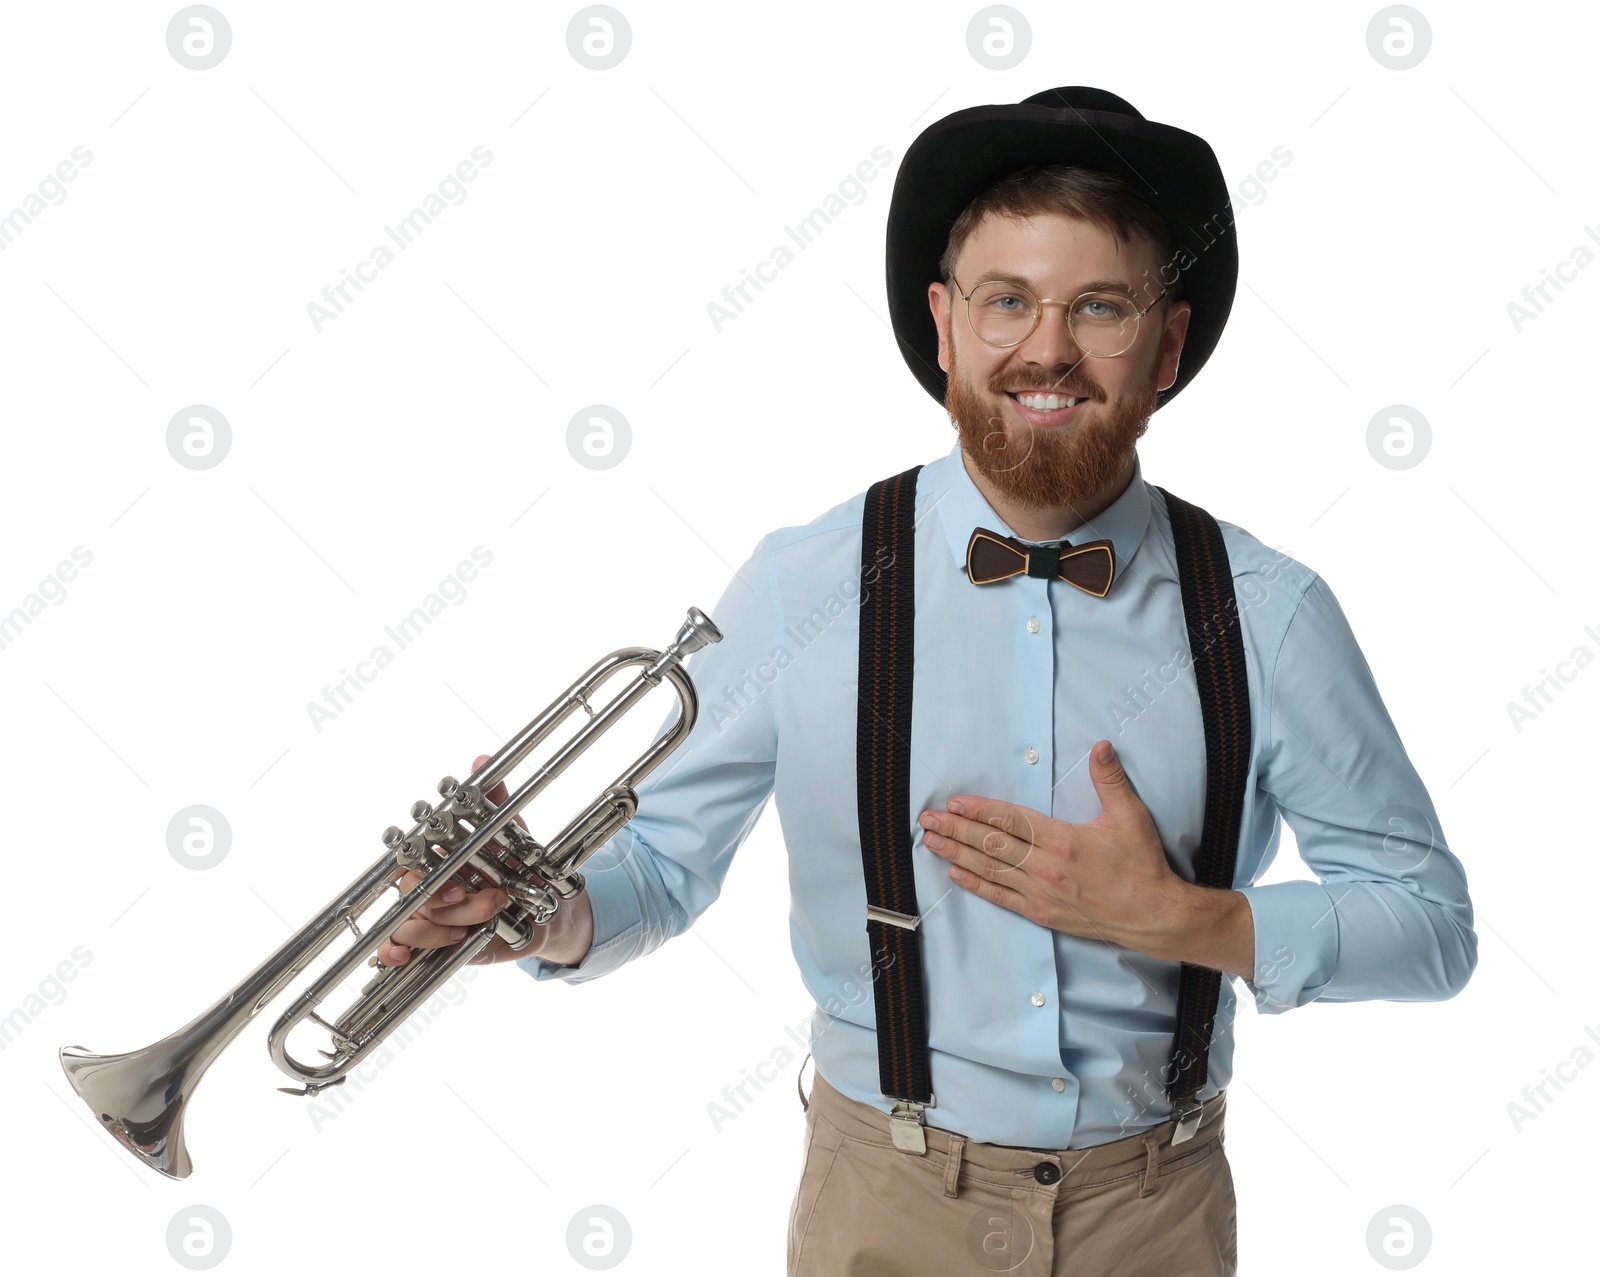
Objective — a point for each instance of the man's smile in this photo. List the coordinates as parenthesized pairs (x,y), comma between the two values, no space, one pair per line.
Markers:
(1045,408)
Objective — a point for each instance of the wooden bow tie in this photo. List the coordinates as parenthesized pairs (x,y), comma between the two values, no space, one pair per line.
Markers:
(993,556)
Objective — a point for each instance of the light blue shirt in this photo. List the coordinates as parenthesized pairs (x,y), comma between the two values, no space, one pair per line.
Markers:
(1037,1038)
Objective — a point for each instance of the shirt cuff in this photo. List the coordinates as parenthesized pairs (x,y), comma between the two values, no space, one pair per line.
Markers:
(1297,943)
(617,926)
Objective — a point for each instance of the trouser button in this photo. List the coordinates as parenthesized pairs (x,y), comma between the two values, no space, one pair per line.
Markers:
(1047,1172)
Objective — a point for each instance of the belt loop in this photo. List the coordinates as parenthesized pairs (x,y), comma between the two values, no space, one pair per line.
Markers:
(952,1165)
(1152,1146)
(804,1103)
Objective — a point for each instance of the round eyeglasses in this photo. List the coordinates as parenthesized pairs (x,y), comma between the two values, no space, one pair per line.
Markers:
(1102,324)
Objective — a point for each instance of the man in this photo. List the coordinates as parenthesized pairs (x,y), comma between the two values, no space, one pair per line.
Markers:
(1042,240)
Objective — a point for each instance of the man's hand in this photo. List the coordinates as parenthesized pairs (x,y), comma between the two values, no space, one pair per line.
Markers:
(452,909)
(1108,879)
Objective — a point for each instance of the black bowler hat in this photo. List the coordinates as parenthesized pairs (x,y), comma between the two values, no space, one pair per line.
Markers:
(955,159)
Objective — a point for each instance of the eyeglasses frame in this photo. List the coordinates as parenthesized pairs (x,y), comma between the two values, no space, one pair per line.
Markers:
(1039,304)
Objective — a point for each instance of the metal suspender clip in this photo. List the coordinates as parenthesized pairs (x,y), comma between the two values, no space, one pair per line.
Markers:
(905,1125)
(907,921)
(1187,1112)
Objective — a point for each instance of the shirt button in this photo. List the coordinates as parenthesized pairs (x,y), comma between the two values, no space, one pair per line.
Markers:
(1036,998)
(1047,1172)
(1032,755)
(1058,1084)
(1033,625)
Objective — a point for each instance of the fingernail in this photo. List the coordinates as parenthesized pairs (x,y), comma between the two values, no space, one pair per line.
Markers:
(501,900)
(955,806)
(458,933)
(452,894)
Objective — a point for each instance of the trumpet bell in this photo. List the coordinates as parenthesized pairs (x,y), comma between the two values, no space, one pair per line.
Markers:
(139,1097)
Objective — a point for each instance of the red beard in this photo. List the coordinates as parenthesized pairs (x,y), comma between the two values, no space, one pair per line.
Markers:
(1051,467)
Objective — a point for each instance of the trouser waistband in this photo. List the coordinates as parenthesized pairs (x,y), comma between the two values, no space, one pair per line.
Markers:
(1145,1151)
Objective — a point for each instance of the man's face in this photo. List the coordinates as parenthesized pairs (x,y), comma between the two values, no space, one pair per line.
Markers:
(1051,460)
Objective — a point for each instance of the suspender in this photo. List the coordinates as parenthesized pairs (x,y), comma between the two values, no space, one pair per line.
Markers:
(883,747)
(1216,644)
(883,795)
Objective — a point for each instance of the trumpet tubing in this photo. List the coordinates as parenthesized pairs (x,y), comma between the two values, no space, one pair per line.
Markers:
(140,1096)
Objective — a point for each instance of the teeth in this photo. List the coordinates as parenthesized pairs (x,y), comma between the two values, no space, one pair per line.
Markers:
(1046,403)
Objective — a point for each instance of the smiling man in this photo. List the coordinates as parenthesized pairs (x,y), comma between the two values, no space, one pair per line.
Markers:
(1073,711)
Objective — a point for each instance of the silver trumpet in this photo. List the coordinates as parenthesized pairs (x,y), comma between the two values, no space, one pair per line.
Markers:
(140,1096)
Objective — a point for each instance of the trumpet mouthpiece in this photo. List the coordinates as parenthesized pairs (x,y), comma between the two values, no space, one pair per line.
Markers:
(697,632)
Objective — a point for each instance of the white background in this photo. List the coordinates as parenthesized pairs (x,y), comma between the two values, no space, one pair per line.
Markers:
(431,416)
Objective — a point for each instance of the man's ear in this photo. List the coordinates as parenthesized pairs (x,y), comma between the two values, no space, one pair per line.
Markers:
(939,304)
(1172,337)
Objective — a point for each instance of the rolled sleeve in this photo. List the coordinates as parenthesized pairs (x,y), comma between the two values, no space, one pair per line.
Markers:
(1389,917)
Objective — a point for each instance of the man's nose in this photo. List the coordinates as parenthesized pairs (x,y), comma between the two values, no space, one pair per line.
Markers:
(1050,343)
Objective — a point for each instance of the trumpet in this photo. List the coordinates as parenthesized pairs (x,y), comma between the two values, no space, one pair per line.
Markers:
(141,1096)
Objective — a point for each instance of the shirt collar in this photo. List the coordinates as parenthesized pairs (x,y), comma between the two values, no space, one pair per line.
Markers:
(960,507)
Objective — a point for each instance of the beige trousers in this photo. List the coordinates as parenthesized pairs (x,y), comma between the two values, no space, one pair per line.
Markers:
(1136,1207)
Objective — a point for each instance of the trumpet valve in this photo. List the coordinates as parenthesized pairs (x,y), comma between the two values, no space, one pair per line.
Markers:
(466,802)
(411,852)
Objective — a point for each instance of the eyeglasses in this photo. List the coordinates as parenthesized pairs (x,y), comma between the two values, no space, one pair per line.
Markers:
(1102,324)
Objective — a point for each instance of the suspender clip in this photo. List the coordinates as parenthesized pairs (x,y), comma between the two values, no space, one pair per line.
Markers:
(1187,1112)
(905,1126)
(907,921)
